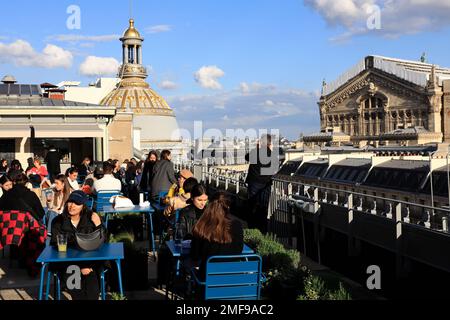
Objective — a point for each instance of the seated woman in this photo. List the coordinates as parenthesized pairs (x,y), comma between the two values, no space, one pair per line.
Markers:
(180,201)
(191,214)
(21,198)
(57,198)
(216,233)
(6,184)
(78,218)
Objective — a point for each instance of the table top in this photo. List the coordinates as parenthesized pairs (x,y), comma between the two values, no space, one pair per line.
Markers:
(134,209)
(108,251)
(185,251)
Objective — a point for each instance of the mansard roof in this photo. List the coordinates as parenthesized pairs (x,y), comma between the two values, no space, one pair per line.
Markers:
(414,72)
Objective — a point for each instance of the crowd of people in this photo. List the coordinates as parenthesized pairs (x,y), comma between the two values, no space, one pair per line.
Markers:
(60,201)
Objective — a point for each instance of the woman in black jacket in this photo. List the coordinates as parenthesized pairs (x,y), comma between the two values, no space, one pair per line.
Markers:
(189,216)
(216,233)
(78,218)
(147,173)
(21,198)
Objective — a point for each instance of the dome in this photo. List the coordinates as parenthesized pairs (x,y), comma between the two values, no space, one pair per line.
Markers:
(131,32)
(137,97)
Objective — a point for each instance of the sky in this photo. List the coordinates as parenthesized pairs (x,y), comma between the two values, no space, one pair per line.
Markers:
(249,64)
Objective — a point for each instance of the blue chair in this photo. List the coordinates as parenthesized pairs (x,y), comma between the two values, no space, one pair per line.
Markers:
(237,277)
(90,202)
(103,199)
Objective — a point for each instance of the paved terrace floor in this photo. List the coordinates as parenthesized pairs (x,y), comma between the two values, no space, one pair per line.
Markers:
(16,284)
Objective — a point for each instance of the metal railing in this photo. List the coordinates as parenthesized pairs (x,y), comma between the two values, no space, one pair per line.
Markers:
(309,198)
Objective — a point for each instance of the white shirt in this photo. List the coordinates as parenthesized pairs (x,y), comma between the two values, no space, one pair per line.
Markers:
(107,183)
(74,184)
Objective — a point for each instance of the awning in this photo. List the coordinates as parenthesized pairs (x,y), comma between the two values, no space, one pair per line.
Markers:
(14,131)
(68,131)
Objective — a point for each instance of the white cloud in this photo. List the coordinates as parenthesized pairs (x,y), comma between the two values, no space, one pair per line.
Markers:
(397,17)
(158,28)
(99,66)
(207,77)
(255,88)
(21,53)
(167,85)
(290,110)
(79,38)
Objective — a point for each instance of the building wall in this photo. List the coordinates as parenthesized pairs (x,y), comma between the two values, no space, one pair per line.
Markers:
(92,94)
(121,136)
(372,105)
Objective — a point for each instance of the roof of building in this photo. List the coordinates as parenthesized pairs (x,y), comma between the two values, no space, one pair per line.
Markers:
(131,32)
(415,72)
(354,162)
(405,165)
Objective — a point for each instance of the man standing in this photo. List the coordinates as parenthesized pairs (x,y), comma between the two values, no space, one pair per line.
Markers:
(264,164)
(53,160)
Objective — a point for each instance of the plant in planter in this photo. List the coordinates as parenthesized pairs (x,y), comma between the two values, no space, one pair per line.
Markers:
(315,288)
(134,265)
(117,296)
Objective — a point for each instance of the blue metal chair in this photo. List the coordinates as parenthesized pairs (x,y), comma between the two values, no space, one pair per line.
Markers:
(237,277)
(103,199)
(90,202)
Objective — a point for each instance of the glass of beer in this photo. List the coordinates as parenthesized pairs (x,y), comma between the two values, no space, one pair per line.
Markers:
(62,242)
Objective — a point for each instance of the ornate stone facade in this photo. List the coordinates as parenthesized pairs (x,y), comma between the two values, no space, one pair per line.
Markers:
(385,97)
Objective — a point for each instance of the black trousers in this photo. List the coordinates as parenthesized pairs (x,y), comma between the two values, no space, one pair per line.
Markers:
(89,285)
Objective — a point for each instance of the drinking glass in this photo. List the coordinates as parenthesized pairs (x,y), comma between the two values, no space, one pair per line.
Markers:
(62,242)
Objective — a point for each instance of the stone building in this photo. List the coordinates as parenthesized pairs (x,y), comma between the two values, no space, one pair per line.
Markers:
(385,101)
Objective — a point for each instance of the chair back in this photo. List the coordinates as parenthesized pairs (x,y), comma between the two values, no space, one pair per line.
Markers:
(103,199)
(90,202)
(235,277)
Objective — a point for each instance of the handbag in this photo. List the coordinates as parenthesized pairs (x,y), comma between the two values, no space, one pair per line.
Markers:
(90,241)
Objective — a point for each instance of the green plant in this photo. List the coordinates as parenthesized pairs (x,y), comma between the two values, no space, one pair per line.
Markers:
(117,296)
(253,237)
(315,288)
(125,237)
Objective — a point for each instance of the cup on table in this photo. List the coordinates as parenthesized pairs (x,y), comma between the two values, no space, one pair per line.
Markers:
(62,242)
(179,236)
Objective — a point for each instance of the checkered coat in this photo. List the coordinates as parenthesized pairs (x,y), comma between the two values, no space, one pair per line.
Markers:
(23,230)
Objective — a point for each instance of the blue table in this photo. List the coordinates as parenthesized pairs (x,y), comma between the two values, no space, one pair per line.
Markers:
(107,210)
(107,252)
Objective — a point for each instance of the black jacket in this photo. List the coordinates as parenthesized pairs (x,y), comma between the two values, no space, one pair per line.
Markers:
(22,199)
(202,249)
(147,176)
(260,162)
(188,218)
(63,224)
(53,160)
(163,177)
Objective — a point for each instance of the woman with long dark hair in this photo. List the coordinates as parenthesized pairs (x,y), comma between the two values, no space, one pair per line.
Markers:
(78,218)
(147,173)
(216,232)
(57,198)
(189,215)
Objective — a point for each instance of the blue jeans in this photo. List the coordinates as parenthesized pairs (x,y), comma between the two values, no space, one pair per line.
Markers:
(49,218)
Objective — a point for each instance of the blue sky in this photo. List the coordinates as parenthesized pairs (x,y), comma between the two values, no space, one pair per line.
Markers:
(263,60)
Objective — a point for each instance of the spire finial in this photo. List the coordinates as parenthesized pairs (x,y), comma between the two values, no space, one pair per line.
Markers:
(131,9)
